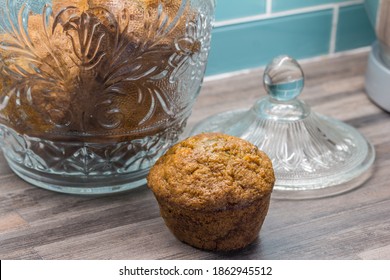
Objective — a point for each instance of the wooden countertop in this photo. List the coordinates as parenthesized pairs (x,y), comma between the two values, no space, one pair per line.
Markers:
(39,224)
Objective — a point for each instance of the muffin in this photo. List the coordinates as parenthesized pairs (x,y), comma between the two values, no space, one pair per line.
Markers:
(213,191)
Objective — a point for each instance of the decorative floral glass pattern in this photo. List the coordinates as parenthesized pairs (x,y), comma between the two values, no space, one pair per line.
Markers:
(96,87)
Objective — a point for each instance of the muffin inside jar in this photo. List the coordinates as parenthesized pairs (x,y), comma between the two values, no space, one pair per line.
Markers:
(98,88)
(93,68)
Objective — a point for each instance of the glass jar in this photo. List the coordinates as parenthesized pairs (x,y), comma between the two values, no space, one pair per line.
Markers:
(92,92)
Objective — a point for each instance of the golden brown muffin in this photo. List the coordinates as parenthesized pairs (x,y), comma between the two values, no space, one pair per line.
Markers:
(213,190)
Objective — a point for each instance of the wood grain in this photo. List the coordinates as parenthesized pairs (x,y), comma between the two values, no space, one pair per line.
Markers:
(39,224)
(11,221)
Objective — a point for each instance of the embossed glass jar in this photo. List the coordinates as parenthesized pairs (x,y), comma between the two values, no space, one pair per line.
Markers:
(92,92)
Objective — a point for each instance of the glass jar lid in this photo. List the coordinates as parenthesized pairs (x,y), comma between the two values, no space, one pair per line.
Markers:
(313,155)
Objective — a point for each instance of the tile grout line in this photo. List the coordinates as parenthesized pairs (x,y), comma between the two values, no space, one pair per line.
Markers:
(268,7)
(284,13)
(333,35)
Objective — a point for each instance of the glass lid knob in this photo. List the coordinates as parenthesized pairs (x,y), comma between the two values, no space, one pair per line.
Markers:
(313,155)
(283,79)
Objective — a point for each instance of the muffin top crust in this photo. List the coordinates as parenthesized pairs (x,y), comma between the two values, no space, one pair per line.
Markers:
(212,171)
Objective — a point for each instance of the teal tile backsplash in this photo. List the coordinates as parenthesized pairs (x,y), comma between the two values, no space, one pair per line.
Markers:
(354,29)
(255,43)
(372,9)
(229,9)
(282,5)
(249,33)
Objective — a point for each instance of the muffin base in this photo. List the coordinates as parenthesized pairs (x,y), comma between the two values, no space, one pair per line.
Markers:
(223,230)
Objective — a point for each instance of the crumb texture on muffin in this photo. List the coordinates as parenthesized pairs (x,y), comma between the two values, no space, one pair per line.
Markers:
(213,191)
(212,171)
